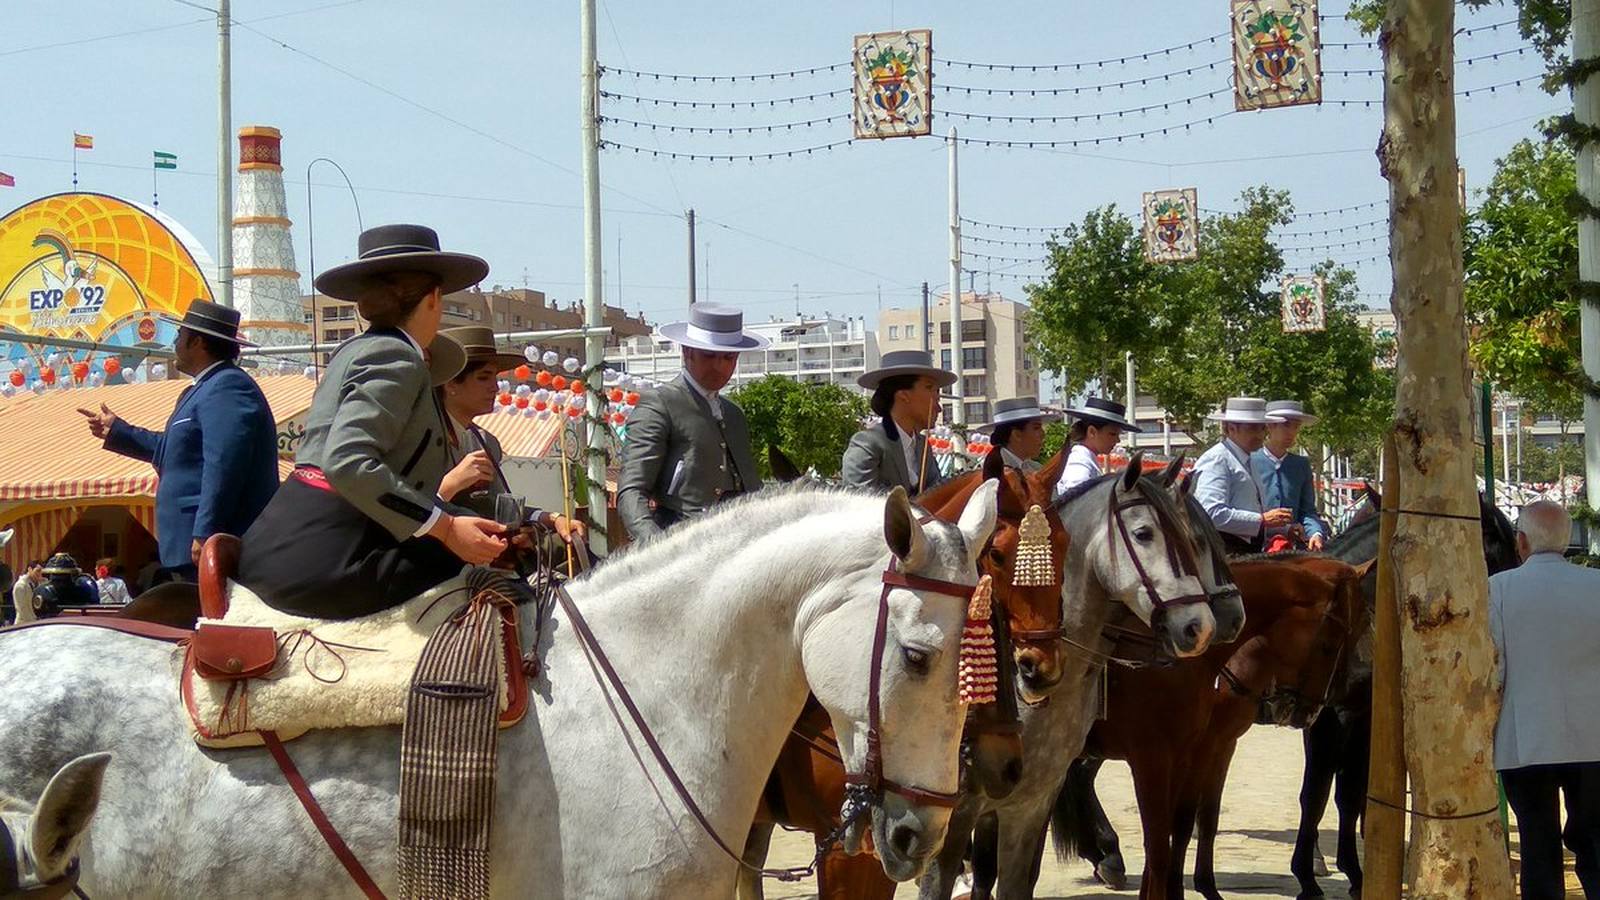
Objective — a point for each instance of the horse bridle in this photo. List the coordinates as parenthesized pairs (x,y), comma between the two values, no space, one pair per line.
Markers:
(11,887)
(1180,555)
(1294,692)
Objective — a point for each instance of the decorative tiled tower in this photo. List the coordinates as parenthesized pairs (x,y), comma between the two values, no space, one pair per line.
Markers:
(266,285)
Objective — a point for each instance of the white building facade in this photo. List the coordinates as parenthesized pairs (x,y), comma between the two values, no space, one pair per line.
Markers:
(825,350)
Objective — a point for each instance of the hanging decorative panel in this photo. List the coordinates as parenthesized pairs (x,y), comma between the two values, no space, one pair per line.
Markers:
(1171,232)
(1277,53)
(1302,303)
(893,91)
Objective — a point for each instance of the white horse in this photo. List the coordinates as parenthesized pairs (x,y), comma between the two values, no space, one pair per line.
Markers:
(39,841)
(1108,568)
(718,629)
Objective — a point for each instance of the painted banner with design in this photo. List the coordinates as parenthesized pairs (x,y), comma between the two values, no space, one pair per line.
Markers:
(1171,225)
(892,93)
(1303,309)
(1277,53)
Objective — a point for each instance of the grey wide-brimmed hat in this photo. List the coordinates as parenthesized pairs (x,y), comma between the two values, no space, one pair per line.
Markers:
(905,362)
(1244,411)
(714,327)
(1100,411)
(1291,410)
(209,318)
(401,248)
(1017,409)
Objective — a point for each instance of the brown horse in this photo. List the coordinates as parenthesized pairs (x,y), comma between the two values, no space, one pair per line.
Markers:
(1177,727)
(807,786)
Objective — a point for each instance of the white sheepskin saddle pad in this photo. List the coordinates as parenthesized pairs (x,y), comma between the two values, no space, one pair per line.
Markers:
(352,673)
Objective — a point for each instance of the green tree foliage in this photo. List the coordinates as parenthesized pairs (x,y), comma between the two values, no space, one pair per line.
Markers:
(810,423)
(1205,330)
(1521,257)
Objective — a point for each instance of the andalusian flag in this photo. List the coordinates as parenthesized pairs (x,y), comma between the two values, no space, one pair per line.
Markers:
(82,141)
(7,180)
(166,160)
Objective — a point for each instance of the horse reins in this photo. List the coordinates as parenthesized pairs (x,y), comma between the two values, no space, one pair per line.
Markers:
(1179,554)
(862,791)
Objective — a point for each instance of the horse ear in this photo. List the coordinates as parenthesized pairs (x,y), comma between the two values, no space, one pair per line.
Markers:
(1169,475)
(1130,475)
(902,532)
(1186,484)
(61,820)
(1051,473)
(978,517)
(782,467)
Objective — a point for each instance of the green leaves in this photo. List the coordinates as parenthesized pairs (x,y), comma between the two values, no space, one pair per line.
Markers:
(810,423)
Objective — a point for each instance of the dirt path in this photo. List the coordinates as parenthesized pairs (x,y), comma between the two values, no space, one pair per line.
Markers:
(1259,815)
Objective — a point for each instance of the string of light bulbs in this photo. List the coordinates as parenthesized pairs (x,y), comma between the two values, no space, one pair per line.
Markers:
(1463,61)
(723,104)
(1079,65)
(1085,117)
(1078,89)
(758,76)
(1001,242)
(728,157)
(1460,32)
(991,257)
(730,129)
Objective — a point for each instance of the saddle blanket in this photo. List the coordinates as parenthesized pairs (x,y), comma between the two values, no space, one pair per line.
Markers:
(353,673)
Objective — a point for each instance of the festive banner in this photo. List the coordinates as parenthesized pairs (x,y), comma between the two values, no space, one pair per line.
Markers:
(1302,303)
(1277,53)
(893,91)
(1170,225)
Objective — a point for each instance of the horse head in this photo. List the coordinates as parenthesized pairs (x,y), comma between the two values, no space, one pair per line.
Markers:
(1312,643)
(1210,555)
(883,662)
(39,843)
(1132,545)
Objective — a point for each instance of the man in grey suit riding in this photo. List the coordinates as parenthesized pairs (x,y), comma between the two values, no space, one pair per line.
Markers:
(688,447)
(905,395)
(1543,617)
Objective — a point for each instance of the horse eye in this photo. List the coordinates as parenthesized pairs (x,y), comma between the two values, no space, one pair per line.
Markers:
(916,659)
(997,558)
(1144,533)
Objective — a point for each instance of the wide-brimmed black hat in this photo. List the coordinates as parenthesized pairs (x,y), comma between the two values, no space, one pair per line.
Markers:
(1100,411)
(210,318)
(906,362)
(401,248)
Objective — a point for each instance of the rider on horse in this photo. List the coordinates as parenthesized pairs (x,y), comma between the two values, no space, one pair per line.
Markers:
(358,526)
(1286,480)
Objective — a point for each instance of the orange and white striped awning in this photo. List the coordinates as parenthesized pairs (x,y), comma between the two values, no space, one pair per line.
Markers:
(521,435)
(47,452)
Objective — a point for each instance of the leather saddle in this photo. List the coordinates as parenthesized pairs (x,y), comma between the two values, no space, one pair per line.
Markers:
(249,668)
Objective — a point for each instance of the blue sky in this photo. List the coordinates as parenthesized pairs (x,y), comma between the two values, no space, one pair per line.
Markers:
(494,165)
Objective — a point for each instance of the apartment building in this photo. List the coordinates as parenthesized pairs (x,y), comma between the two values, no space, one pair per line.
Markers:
(995,361)
(818,350)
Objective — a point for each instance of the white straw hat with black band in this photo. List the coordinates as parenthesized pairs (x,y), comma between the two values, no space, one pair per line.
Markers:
(1244,411)
(1016,410)
(1291,410)
(906,362)
(716,328)
(1100,411)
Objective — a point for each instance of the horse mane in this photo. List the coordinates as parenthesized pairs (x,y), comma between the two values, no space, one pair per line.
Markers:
(1151,490)
(719,531)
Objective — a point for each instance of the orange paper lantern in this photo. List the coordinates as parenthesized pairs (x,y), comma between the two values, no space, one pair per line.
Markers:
(48,376)
(543,378)
(505,399)
(578,387)
(80,371)
(17,378)
(522,403)
(615,395)
(632,398)
(522,373)
(113,366)
(559,383)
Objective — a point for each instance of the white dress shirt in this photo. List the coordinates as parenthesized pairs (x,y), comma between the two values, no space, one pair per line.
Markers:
(711,397)
(1227,488)
(1082,465)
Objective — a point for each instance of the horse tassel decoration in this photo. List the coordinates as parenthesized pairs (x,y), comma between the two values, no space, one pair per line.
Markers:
(978,674)
(1033,552)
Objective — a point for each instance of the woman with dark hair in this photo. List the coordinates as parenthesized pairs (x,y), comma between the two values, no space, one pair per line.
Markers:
(1094,432)
(358,527)
(905,396)
(1018,432)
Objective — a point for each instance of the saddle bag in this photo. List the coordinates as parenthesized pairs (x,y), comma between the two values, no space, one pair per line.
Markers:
(233,652)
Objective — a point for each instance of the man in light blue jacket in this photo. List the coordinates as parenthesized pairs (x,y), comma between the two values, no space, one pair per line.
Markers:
(1286,477)
(1224,484)
(1544,617)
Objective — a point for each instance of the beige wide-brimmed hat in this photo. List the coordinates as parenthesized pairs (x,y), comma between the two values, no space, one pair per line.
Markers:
(1291,410)
(479,343)
(1244,411)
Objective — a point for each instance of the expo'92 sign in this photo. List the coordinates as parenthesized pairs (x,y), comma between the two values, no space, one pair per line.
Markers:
(95,267)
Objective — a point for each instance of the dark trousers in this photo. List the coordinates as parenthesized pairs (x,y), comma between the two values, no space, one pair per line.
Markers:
(1535,793)
(1238,546)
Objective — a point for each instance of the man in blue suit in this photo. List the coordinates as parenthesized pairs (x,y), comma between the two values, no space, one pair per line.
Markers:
(218,455)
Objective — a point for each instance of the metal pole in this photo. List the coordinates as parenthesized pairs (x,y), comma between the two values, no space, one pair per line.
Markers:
(1486,414)
(1505,443)
(594,344)
(224,155)
(1519,442)
(691,257)
(1586,107)
(922,328)
(1132,437)
(960,415)
(311,246)
(1166,437)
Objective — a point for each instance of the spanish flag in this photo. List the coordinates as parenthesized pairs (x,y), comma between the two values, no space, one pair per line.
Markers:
(82,141)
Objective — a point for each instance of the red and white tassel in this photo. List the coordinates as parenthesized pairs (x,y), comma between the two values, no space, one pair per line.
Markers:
(978,675)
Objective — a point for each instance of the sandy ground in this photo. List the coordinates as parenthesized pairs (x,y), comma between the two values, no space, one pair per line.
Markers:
(1259,815)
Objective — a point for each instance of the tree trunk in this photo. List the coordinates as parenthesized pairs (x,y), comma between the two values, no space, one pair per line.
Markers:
(1450,703)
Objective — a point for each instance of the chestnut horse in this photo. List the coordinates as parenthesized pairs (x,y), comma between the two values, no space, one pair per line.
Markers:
(807,786)
(1177,727)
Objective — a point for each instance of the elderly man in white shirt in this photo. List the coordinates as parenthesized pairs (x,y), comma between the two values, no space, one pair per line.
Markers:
(1097,426)
(1544,617)
(1224,483)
